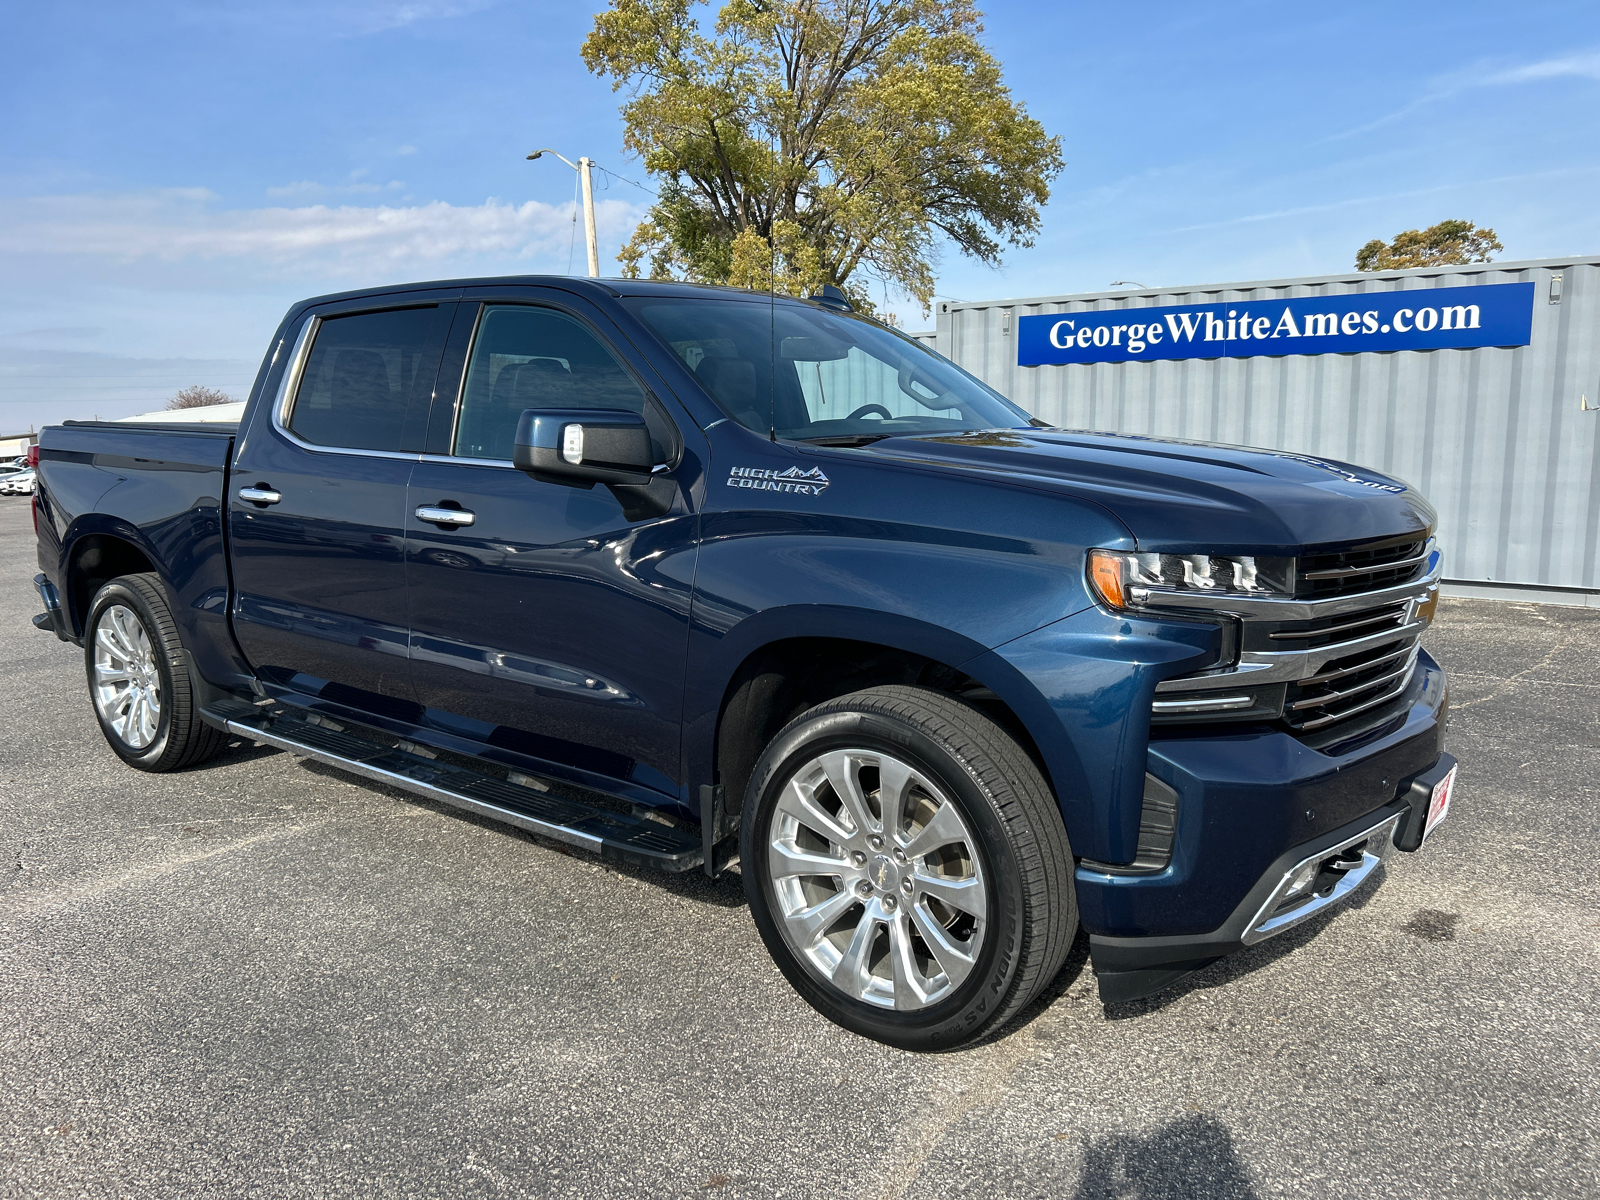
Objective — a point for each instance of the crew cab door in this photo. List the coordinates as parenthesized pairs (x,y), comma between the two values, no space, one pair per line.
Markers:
(546,620)
(317,512)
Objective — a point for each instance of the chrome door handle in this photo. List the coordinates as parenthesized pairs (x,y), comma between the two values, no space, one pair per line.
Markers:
(445,516)
(258,495)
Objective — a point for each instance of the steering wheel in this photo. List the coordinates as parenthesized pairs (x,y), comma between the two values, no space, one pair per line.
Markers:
(870,408)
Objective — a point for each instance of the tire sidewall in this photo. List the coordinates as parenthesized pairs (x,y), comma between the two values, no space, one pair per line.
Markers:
(117,592)
(960,1017)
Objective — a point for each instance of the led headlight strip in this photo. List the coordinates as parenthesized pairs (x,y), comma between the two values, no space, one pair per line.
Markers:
(1126,579)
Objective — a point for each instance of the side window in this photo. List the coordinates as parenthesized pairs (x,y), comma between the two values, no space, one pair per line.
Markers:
(525,357)
(357,384)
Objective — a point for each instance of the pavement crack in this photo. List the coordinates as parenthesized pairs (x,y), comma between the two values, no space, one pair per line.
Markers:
(1561,644)
(104,885)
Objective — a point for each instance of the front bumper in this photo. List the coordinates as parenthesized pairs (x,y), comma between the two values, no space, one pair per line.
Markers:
(1301,883)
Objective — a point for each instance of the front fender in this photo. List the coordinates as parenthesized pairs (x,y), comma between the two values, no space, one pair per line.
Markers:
(1083,688)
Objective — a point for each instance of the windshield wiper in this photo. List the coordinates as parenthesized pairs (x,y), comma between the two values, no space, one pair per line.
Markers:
(846,439)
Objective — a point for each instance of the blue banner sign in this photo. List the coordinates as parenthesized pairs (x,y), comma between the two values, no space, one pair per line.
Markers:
(1499,314)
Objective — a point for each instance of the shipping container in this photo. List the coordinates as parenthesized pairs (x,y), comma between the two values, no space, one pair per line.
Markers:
(1504,439)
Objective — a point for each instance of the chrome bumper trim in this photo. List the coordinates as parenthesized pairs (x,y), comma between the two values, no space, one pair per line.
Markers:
(1264,925)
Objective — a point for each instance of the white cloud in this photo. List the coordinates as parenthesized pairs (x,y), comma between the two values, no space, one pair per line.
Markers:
(1582,66)
(1585,65)
(178,225)
(306,189)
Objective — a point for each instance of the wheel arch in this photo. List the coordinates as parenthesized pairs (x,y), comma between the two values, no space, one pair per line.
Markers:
(780,663)
(96,552)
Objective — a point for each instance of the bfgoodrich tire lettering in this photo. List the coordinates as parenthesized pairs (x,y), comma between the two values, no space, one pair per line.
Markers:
(139,680)
(907,867)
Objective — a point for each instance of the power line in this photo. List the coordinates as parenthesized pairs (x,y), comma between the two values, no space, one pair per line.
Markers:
(625,179)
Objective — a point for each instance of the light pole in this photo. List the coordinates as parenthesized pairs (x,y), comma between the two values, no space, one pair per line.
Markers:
(583,167)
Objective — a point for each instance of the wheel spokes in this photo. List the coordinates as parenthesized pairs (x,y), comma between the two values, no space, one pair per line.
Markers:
(800,802)
(916,892)
(955,961)
(815,921)
(852,973)
(894,782)
(945,829)
(909,993)
(785,861)
(965,894)
(843,772)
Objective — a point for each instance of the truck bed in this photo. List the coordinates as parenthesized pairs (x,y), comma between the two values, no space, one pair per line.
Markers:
(166,485)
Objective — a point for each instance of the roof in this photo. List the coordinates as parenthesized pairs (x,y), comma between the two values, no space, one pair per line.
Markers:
(1150,293)
(595,288)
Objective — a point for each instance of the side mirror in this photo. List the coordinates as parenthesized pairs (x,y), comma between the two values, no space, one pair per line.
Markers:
(584,445)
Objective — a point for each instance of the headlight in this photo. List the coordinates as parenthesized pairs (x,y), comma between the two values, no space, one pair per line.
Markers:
(1133,580)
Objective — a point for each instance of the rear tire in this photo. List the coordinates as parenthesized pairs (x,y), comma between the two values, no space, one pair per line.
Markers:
(907,867)
(139,680)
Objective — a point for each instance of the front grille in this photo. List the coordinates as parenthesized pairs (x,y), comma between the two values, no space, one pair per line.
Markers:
(1346,627)
(1347,686)
(1363,568)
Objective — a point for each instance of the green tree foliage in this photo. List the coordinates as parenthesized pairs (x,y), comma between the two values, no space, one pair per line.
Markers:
(1449,243)
(806,142)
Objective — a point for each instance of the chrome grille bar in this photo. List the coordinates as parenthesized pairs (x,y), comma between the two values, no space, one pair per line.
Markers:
(1341,672)
(1398,617)
(1334,697)
(1368,569)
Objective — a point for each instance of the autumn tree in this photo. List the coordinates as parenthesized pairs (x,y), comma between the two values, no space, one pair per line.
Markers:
(1449,243)
(198,396)
(807,142)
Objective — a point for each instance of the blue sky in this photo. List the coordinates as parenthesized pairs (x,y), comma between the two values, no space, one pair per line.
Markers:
(174,175)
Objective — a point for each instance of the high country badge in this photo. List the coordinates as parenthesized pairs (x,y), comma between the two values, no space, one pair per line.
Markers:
(765,479)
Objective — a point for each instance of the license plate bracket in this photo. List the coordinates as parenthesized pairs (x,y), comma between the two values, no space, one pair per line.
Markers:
(1439,802)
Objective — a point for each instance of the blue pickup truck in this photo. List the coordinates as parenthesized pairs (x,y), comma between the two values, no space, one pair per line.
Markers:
(686,576)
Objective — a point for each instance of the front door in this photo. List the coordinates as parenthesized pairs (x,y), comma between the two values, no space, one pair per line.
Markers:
(317,515)
(552,625)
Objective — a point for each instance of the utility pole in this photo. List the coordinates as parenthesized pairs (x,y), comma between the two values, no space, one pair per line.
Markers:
(584,167)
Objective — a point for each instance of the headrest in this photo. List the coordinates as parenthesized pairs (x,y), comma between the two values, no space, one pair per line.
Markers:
(361,376)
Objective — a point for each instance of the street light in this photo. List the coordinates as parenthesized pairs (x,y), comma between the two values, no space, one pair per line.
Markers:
(582,167)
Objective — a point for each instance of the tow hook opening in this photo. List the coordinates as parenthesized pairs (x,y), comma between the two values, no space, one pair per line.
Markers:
(1318,878)
(1325,879)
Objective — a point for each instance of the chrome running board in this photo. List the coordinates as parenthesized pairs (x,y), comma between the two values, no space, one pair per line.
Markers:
(619,837)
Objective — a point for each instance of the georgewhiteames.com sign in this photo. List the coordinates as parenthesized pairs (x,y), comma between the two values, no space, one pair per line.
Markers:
(1499,314)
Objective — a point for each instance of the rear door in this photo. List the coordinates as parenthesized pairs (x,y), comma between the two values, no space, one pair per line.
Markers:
(555,624)
(317,511)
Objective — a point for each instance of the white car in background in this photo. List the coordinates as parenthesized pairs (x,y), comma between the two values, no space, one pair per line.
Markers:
(21,483)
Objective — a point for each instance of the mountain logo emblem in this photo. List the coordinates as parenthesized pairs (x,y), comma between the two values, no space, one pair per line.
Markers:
(791,480)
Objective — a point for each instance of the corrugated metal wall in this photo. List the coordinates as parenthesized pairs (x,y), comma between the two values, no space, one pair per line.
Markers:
(1495,438)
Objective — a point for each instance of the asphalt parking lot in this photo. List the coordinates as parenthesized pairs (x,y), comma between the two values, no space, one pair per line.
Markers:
(262,977)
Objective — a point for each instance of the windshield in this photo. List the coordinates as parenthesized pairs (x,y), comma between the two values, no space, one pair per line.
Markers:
(837,375)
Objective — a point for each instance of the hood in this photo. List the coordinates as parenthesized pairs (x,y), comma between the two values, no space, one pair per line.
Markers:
(1176,495)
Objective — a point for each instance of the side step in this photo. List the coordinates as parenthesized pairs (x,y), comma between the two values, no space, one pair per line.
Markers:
(617,837)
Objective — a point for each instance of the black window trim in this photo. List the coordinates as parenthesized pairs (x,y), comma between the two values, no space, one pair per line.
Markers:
(289,385)
(674,451)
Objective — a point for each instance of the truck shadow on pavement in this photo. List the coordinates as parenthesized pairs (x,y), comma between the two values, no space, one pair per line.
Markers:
(1188,1157)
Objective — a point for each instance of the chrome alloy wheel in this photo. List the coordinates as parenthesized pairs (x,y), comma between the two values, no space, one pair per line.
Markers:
(127,682)
(877,878)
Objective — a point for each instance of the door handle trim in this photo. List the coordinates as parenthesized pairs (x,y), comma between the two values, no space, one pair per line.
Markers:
(256,495)
(445,516)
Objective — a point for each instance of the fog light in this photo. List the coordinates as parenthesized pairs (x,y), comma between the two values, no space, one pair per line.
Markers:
(1302,878)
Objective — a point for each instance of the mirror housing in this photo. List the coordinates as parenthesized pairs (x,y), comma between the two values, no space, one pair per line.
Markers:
(584,445)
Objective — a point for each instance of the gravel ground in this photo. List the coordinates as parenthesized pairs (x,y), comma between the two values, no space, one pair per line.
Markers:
(263,977)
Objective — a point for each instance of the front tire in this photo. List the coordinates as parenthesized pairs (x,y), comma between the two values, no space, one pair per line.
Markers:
(139,679)
(907,867)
